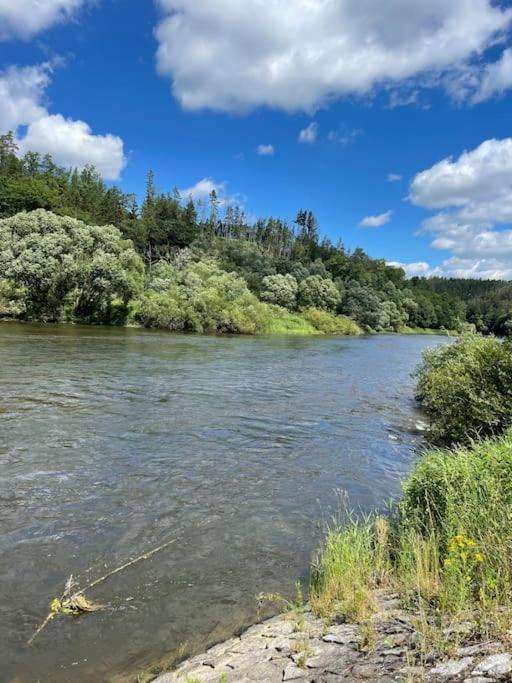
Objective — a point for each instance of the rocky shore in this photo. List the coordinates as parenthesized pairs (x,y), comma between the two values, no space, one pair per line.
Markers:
(301,647)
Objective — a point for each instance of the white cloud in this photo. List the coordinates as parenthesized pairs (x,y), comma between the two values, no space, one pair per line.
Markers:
(420,268)
(201,191)
(473,196)
(344,135)
(484,269)
(70,142)
(25,18)
(309,133)
(496,78)
(475,177)
(394,177)
(300,54)
(376,221)
(265,150)
(21,93)
(73,144)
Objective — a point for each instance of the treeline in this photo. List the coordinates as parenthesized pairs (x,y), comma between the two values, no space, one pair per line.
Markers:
(286,266)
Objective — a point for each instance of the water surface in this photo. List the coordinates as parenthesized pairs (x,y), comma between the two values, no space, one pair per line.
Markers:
(116,440)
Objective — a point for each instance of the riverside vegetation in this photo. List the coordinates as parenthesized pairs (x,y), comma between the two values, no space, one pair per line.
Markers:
(446,547)
(74,249)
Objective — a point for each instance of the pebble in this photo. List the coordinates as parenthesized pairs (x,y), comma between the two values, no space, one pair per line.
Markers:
(495,665)
(448,670)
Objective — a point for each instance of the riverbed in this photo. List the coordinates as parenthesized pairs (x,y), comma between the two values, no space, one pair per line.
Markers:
(114,441)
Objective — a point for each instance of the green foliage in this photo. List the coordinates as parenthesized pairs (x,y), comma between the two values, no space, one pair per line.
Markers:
(200,297)
(463,500)
(62,267)
(342,575)
(283,322)
(447,551)
(331,324)
(318,292)
(280,290)
(466,389)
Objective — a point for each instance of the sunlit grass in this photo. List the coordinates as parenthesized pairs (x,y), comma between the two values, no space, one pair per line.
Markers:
(447,550)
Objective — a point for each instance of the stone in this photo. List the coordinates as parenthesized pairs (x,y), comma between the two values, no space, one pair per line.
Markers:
(247,645)
(495,665)
(480,649)
(263,671)
(278,629)
(205,675)
(478,679)
(454,667)
(342,634)
(317,657)
(342,666)
(368,671)
(293,673)
(393,652)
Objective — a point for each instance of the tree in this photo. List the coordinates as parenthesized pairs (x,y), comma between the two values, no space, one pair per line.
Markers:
(317,292)
(280,290)
(67,268)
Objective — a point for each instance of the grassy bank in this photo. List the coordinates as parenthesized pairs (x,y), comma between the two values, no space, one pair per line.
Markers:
(446,546)
(447,550)
(427,330)
(310,322)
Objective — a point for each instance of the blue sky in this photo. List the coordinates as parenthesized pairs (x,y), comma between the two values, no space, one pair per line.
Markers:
(191,89)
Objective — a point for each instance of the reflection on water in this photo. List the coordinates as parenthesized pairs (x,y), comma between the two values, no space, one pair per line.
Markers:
(114,441)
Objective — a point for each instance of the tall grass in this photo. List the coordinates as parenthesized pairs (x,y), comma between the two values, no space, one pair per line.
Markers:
(447,551)
(282,321)
(331,324)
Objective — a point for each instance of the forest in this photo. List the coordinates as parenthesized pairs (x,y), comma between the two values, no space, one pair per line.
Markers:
(73,248)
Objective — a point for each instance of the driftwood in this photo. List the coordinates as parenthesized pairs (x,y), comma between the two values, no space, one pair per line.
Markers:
(74,602)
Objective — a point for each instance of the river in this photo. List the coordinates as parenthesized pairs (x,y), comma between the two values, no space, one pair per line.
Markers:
(116,440)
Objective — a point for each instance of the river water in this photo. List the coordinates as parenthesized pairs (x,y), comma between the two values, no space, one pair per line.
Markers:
(116,440)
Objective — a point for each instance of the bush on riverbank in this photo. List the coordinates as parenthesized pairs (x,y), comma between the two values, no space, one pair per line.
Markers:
(55,267)
(466,389)
(447,550)
(200,297)
(329,323)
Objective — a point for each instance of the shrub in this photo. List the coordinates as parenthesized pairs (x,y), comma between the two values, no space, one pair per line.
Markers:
(318,292)
(64,267)
(331,324)
(280,290)
(201,298)
(448,550)
(463,500)
(466,389)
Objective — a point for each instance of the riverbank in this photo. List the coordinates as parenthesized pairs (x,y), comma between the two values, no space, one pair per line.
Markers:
(422,595)
(301,647)
(288,324)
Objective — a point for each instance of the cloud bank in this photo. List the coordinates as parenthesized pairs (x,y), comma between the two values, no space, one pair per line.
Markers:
(472,195)
(25,18)
(300,54)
